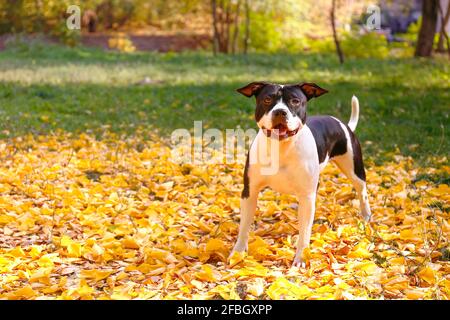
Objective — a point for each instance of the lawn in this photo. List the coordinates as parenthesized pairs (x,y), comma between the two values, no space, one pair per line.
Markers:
(404,102)
(92,205)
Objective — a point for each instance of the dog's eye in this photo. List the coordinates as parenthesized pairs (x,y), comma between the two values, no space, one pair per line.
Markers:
(295,101)
(267,100)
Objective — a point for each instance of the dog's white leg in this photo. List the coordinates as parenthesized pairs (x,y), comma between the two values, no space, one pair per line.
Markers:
(248,208)
(361,190)
(307,207)
(345,164)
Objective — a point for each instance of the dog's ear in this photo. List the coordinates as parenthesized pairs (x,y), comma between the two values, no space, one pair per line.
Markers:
(311,90)
(252,88)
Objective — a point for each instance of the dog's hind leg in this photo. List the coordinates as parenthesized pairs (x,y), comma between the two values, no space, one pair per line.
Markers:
(347,164)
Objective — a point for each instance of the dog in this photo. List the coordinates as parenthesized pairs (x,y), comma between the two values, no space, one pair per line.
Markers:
(306,145)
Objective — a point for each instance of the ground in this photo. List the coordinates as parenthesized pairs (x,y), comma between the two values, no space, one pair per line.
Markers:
(92,205)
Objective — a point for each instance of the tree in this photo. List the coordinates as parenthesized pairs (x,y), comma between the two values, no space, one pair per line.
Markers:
(247,26)
(443,33)
(333,25)
(225,17)
(427,30)
(236,27)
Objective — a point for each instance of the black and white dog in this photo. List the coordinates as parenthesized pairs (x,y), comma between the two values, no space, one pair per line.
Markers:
(305,146)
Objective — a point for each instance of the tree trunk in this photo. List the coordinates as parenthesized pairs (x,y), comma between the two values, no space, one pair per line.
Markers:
(333,25)
(236,28)
(223,16)
(443,34)
(216,32)
(247,25)
(227,24)
(221,28)
(427,30)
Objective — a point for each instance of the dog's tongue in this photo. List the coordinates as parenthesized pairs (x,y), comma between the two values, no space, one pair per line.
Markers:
(282,130)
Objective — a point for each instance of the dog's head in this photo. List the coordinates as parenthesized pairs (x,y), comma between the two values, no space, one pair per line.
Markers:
(281,109)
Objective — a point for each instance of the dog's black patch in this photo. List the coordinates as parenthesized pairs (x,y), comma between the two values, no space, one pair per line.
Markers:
(246,192)
(266,99)
(291,92)
(329,136)
(268,95)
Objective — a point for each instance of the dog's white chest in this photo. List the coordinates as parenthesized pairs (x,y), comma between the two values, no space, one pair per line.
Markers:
(287,180)
(295,169)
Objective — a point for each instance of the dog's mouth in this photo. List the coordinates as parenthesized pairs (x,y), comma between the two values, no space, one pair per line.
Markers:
(280,131)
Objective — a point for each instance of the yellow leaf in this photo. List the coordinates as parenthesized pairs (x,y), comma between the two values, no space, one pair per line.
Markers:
(26,292)
(360,251)
(120,296)
(284,289)
(237,257)
(259,248)
(254,270)
(414,294)
(441,191)
(410,235)
(17,253)
(35,252)
(130,243)
(66,241)
(227,291)
(84,289)
(428,275)
(397,261)
(206,274)
(179,245)
(215,245)
(74,250)
(45,261)
(218,247)
(97,275)
(41,275)
(369,267)
(163,255)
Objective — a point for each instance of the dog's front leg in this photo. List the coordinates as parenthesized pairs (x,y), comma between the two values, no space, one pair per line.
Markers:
(248,208)
(307,205)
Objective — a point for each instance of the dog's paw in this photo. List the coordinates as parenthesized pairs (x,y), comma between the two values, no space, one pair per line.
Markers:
(367,217)
(299,263)
(236,257)
(239,248)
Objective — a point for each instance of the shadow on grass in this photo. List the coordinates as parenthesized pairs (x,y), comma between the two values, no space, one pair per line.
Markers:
(55,55)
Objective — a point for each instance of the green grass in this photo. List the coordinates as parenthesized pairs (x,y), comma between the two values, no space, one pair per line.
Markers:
(404,102)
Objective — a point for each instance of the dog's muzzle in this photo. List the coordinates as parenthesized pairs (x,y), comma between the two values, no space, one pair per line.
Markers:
(280,131)
(279,126)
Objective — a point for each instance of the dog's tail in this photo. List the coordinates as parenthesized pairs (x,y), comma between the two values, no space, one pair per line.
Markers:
(355,114)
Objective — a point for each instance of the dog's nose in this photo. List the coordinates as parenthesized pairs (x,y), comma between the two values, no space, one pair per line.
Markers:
(280,113)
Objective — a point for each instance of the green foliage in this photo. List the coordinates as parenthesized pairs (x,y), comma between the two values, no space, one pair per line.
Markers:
(369,45)
(29,16)
(264,33)
(279,26)
(324,45)
(411,33)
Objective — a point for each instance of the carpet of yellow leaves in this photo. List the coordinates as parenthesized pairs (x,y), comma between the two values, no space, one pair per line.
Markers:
(82,218)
